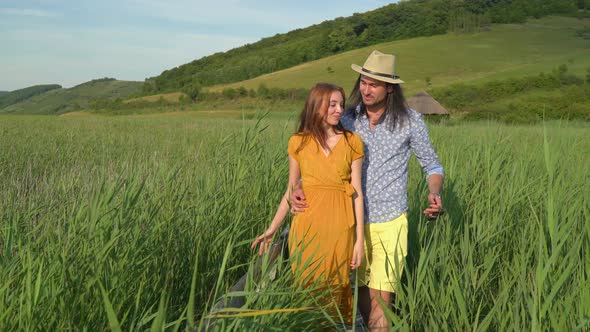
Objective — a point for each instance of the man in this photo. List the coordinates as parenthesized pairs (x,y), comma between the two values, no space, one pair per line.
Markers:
(390,132)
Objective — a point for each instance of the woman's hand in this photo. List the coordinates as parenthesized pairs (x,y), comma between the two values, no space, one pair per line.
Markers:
(357,254)
(264,240)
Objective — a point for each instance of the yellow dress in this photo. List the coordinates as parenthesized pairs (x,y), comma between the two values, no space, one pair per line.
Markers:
(321,238)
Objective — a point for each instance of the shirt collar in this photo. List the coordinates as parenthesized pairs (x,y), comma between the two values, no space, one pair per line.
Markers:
(359,115)
(357,110)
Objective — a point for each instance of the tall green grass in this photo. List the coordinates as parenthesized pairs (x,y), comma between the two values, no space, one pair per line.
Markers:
(144,223)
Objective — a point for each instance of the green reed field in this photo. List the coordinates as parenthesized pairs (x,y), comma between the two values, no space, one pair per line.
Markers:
(129,223)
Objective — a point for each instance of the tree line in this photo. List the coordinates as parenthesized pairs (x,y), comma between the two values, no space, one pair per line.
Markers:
(407,19)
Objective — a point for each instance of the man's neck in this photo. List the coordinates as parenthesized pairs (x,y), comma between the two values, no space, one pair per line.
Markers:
(375,114)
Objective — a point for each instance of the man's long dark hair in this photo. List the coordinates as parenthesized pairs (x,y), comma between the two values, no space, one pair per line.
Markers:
(396,108)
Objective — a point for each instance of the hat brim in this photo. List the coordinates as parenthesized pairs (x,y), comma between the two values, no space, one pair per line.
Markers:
(359,70)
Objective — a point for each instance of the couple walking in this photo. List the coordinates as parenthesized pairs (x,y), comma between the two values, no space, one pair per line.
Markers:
(348,173)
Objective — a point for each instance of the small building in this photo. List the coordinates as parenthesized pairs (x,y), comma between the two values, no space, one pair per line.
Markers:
(424,103)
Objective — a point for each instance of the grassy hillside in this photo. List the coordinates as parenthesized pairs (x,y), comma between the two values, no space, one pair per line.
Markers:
(16,96)
(397,21)
(505,51)
(531,98)
(66,100)
(2,93)
(172,97)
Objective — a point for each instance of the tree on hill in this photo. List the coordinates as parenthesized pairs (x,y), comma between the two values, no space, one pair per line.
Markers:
(340,38)
(192,90)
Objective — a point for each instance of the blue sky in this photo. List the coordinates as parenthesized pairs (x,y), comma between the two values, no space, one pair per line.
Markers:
(71,42)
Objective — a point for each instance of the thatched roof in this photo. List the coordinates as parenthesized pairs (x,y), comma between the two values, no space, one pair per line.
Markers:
(425,104)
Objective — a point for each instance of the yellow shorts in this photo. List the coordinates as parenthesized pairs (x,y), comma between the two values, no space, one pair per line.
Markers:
(386,246)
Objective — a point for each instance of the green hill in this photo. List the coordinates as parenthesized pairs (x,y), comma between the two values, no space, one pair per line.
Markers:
(81,96)
(513,72)
(2,93)
(402,20)
(505,51)
(17,96)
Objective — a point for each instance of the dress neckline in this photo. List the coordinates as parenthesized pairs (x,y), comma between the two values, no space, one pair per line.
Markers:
(329,153)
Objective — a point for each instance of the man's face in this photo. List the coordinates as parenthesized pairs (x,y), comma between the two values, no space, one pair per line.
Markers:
(373,91)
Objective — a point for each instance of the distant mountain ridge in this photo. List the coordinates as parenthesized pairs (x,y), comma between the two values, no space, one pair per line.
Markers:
(19,95)
(396,21)
(59,100)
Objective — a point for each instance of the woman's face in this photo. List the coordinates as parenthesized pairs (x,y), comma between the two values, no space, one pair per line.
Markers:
(335,109)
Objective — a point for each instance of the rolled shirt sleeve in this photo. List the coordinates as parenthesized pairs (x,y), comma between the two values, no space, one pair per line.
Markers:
(421,146)
(385,167)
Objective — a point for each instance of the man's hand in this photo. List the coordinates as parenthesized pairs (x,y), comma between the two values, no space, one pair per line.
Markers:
(435,208)
(298,201)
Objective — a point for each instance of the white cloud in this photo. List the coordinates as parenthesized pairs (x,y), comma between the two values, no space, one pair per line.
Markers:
(211,12)
(27,12)
(73,57)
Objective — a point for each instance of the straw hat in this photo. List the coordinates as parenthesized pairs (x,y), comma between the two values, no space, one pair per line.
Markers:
(380,67)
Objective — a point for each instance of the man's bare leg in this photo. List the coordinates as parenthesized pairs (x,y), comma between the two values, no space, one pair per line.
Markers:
(377,321)
(364,303)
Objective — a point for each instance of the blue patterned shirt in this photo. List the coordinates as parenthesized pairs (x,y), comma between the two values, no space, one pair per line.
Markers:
(387,154)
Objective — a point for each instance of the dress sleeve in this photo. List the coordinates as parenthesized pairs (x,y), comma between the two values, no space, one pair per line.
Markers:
(294,142)
(357,147)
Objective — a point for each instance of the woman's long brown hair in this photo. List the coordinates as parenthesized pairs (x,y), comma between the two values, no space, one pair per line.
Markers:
(314,111)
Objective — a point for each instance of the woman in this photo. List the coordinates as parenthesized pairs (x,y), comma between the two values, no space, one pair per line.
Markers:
(325,241)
